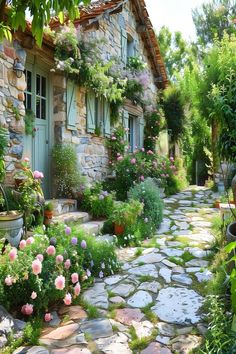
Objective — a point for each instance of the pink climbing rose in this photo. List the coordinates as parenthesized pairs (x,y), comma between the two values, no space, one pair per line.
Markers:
(33,295)
(27,309)
(22,244)
(38,175)
(13,254)
(60,282)
(51,250)
(67,264)
(74,278)
(48,317)
(67,299)
(77,289)
(36,267)
(59,259)
(40,257)
(8,280)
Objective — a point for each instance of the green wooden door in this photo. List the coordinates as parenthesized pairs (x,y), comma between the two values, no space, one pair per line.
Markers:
(36,147)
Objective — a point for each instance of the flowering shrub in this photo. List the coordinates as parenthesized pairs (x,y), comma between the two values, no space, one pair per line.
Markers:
(152,129)
(97,201)
(116,144)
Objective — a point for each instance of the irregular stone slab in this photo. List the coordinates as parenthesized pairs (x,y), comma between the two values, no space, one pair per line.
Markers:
(166,329)
(169,263)
(185,344)
(149,258)
(165,273)
(114,279)
(178,269)
(68,342)
(178,305)
(163,339)
(149,250)
(31,350)
(75,350)
(155,348)
(146,269)
(197,263)
(182,225)
(204,276)
(198,238)
(153,286)
(116,299)
(170,200)
(62,332)
(97,296)
(126,315)
(74,312)
(123,290)
(201,224)
(174,243)
(143,329)
(119,326)
(6,321)
(173,228)
(193,269)
(173,252)
(98,328)
(185,202)
(184,330)
(140,299)
(115,344)
(164,227)
(182,278)
(197,252)
(3,340)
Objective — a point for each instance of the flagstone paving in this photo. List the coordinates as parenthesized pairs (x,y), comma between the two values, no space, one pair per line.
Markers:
(164,281)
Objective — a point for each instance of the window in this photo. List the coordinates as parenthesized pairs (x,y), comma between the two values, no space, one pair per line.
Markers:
(98,115)
(135,131)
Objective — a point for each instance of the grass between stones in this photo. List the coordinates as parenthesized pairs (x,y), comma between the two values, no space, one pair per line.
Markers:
(91,310)
(137,344)
(138,252)
(150,315)
(144,278)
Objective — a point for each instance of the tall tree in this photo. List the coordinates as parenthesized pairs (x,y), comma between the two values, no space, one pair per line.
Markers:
(213,18)
(13,14)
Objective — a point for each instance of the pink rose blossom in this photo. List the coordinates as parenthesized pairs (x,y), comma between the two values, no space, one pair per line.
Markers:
(150,152)
(142,149)
(67,264)
(77,289)
(27,309)
(22,244)
(59,259)
(142,178)
(36,267)
(13,254)
(40,257)
(8,280)
(51,250)
(74,278)
(26,159)
(67,299)
(33,295)
(113,138)
(133,161)
(48,317)
(119,158)
(38,175)
(29,240)
(60,282)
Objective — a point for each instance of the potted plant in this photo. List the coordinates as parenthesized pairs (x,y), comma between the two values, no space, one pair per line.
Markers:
(11,222)
(48,213)
(125,214)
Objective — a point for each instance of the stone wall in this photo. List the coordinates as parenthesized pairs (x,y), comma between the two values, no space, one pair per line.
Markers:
(12,108)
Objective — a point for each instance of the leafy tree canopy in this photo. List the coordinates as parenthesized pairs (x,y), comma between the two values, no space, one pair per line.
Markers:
(12,14)
(213,18)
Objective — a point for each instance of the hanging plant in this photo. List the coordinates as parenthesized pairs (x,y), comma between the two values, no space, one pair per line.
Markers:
(152,129)
(29,122)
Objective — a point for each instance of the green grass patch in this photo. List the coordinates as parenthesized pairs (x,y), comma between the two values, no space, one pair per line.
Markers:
(187,256)
(150,315)
(138,252)
(91,310)
(145,278)
(137,344)
(176,260)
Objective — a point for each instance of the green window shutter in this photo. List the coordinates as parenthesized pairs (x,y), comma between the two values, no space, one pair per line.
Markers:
(135,48)
(107,122)
(141,131)
(126,123)
(90,107)
(123,46)
(71,108)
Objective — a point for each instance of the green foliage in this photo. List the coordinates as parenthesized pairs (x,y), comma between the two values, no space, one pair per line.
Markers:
(173,107)
(29,119)
(147,192)
(97,201)
(214,18)
(4,138)
(177,181)
(116,144)
(40,11)
(66,172)
(152,129)
(136,64)
(126,213)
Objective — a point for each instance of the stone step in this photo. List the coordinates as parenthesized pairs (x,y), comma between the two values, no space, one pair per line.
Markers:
(63,206)
(92,227)
(78,217)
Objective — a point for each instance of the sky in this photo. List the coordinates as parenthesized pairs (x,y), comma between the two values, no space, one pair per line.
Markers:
(175,14)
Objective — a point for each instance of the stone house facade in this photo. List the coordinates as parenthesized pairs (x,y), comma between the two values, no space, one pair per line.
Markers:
(66,113)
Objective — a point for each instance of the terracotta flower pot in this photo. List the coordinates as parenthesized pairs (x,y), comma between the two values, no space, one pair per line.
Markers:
(217,204)
(119,229)
(48,214)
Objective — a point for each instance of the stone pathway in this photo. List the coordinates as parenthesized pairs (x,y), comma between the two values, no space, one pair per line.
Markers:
(156,296)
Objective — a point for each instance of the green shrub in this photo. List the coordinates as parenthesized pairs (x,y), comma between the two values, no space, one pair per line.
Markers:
(97,201)
(177,181)
(147,193)
(66,172)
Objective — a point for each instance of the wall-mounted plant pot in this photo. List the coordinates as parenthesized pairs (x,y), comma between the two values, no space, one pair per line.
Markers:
(231,232)
(119,229)
(48,215)
(11,227)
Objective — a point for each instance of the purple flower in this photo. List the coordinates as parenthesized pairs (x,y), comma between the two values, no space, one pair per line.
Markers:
(53,241)
(92,263)
(101,275)
(74,241)
(88,273)
(68,230)
(105,193)
(101,197)
(83,244)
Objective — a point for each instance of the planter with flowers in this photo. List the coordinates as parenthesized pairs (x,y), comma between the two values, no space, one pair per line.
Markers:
(125,215)
(97,202)
(48,213)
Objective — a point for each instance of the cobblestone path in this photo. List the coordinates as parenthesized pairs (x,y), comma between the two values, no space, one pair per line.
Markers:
(156,295)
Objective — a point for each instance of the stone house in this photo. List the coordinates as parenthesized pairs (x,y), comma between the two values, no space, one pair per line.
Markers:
(66,113)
